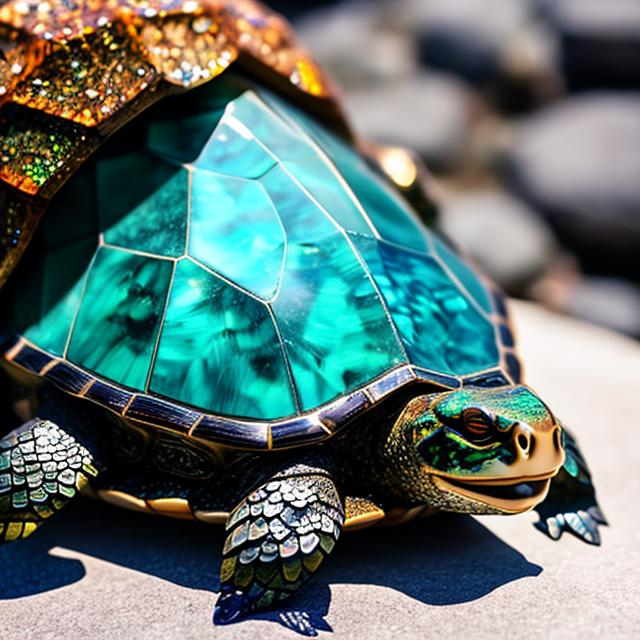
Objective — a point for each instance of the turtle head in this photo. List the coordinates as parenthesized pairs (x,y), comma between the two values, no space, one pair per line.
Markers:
(480,450)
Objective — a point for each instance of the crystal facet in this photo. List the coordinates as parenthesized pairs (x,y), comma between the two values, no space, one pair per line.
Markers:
(219,349)
(159,223)
(439,326)
(120,315)
(235,230)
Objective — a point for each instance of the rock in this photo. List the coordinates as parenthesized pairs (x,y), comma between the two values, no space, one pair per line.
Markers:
(508,239)
(357,44)
(480,41)
(429,113)
(292,9)
(600,41)
(578,162)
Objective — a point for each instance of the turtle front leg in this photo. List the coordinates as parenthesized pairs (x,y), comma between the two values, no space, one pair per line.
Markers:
(571,504)
(277,537)
(42,467)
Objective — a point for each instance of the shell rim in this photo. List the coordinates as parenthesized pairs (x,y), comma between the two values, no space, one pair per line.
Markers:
(162,413)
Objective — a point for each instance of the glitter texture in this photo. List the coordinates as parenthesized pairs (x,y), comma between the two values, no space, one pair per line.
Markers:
(71,73)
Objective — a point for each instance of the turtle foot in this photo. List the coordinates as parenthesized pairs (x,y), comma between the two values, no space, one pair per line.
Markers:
(571,504)
(583,523)
(50,484)
(277,538)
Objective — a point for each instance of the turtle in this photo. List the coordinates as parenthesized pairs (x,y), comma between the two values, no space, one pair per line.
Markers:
(229,312)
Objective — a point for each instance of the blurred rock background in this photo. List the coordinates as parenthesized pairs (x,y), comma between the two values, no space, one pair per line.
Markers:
(528,114)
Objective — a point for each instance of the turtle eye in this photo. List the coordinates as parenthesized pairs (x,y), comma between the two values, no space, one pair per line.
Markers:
(477,425)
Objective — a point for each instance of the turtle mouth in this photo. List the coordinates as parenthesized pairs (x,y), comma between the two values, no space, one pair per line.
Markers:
(509,496)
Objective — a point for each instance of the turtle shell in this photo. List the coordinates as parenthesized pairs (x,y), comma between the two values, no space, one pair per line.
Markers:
(225,266)
(236,272)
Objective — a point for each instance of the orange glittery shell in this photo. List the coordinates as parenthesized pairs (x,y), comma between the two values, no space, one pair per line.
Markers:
(73,72)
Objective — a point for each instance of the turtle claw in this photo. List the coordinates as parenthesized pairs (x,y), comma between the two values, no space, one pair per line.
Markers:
(231,606)
(303,623)
(597,515)
(571,503)
(582,523)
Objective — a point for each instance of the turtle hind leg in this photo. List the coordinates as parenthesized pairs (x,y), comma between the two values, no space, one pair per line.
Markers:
(277,538)
(571,503)
(42,467)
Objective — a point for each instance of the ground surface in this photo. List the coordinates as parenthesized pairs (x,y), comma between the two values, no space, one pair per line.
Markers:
(100,573)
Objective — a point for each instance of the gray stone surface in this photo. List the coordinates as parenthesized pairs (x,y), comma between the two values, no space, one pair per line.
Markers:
(600,20)
(606,301)
(99,573)
(478,40)
(578,162)
(508,239)
(429,113)
(357,43)
(599,41)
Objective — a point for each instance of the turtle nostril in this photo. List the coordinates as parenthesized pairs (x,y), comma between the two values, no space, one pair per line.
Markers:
(523,441)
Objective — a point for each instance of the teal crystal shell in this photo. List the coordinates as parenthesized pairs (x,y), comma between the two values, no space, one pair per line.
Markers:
(238,257)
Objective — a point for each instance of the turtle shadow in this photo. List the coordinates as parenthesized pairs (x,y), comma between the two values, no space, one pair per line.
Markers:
(445,560)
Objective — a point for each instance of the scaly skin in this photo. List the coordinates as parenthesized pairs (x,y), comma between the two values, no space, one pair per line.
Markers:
(277,539)
(42,468)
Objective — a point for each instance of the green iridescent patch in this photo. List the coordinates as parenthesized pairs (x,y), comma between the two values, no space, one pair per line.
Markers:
(34,146)
(219,350)
(509,405)
(439,327)
(446,451)
(443,448)
(120,315)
